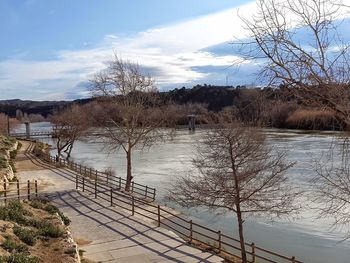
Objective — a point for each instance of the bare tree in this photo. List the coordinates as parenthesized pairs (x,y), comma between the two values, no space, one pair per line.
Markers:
(237,172)
(130,109)
(314,69)
(330,186)
(69,124)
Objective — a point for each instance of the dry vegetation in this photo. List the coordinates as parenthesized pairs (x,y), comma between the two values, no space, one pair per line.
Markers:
(32,232)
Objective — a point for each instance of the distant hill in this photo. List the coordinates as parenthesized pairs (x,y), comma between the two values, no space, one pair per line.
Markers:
(35,107)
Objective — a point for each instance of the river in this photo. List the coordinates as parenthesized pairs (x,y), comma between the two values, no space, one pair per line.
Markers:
(307,238)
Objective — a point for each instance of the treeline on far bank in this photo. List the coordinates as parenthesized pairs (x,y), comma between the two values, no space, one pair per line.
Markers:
(266,107)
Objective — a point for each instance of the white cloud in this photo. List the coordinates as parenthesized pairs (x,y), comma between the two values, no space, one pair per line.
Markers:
(173,51)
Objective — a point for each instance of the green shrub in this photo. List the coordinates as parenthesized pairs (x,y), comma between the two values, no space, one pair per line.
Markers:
(51,209)
(11,246)
(3,162)
(8,141)
(47,229)
(38,204)
(13,166)
(66,220)
(19,258)
(26,235)
(13,154)
(14,212)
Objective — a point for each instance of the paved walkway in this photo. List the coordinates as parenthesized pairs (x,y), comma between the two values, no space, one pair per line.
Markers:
(105,233)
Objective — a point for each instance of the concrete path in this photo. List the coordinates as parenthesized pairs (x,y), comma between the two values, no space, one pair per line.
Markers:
(105,233)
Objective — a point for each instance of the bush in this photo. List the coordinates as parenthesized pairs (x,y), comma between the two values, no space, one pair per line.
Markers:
(47,229)
(19,258)
(41,204)
(11,246)
(3,162)
(66,220)
(13,154)
(26,235)
(19,145)
(15,212)
(13,166)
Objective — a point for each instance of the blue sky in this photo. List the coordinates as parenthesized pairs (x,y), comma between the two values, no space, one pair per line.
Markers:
(50,49)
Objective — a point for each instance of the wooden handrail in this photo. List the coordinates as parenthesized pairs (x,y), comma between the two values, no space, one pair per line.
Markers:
(93,176)
(192,232)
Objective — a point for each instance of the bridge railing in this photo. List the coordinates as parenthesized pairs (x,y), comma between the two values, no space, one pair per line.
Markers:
(104,177)
(194,233)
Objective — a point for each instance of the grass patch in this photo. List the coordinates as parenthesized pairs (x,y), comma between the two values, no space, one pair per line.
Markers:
(19,258)
(26,235)
(47,229)
(12,246)
(51,209)
(13,154)
(14,212)
(3,162)
(12,164)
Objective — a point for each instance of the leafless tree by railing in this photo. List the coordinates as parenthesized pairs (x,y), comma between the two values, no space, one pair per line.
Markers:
(237,172)
(206,238)
(68,125)
(129,109)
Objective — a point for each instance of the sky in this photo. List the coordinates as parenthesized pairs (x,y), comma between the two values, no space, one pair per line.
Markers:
(49,50)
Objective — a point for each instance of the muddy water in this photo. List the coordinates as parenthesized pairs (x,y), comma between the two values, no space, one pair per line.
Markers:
(305,237)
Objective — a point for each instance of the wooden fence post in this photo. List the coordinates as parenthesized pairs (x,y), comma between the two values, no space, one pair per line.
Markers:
(293,259)
(120,183)
(219,241)
(146,192)
(132,187)
(253,252)
(95,189)
(36,189)
(18,193)
(133,206)
(80,168)
(83,183)
(191,231)
(107,174)
(158,215)
(5,191)
(154,194)
(111,190)
(76,181)
(28,189)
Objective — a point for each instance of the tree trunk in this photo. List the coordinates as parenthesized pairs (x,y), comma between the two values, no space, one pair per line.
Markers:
(128,171)
(59,149)
(240,231)
(69,151)
(238,208)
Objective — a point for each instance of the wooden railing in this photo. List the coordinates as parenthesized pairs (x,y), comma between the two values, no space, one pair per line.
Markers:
(192,232)
(116,182)
(19,190)
(108,188)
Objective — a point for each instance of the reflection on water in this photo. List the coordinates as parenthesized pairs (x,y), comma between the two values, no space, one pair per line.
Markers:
(308,239)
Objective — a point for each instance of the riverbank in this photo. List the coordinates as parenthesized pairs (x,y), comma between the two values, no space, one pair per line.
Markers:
(107,233)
